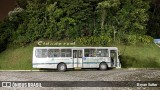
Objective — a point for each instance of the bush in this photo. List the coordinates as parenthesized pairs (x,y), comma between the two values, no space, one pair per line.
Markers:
(135,39)
(146,39)
(21,41)
(3,45)
(93,41)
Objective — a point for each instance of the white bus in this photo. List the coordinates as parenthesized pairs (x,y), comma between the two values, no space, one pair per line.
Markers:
(63,58)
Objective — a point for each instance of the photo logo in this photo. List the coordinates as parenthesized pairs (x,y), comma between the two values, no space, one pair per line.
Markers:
(21,84)
(6,84)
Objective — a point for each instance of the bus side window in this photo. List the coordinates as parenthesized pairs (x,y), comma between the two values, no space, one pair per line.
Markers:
(56,53)
(86,53)
(66,52)
(53,52)
(41,53)
(102,52)
(90,52)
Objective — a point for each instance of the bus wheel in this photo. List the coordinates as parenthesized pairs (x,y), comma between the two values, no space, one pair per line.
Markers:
(62,67)
(103,66)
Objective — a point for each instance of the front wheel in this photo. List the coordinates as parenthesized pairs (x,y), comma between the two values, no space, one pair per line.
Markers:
(103,66)
(62,67)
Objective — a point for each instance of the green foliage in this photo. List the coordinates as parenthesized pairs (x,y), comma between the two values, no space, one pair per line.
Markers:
(6,30)
(133,16)
(93,41)
(131,39)
(137,39)
(22,3)
(154,19)
(104,8)
(15,14)
(52,20)
(146,39)
(121,20)
(108,3)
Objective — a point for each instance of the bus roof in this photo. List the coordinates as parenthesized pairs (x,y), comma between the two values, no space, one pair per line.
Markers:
(112,48)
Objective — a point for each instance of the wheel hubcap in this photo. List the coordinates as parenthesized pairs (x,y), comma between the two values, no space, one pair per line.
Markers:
(103,66)
(62,67)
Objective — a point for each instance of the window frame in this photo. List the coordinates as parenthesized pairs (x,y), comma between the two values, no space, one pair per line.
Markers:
(37,56)
(105,54)
(59,53)
(92,54)
(65,53)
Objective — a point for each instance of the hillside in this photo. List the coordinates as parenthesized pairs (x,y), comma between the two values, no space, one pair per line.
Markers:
(144,56)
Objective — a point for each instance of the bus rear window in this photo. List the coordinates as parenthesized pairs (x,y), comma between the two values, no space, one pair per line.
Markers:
(41,53)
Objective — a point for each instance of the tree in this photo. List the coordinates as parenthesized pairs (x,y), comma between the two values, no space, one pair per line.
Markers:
(60,19)
(123,17)
(154,19)
(6,30)
(133,16)
(104,7)
(22,3)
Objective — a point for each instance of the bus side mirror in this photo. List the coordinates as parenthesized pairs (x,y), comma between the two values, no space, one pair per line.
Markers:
(119,53)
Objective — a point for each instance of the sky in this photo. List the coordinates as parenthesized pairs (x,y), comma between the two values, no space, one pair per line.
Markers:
(5,7)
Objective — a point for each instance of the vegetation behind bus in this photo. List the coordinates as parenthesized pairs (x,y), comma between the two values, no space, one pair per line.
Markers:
(101,20)
(128,24)
(131,56)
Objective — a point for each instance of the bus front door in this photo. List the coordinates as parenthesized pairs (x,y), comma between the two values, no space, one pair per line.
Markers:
(77,58)
(114,58)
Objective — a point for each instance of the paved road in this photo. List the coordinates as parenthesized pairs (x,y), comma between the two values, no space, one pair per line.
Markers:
(84,75)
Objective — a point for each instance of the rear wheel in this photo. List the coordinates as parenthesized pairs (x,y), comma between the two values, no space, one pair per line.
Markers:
(103,66)
(62,67)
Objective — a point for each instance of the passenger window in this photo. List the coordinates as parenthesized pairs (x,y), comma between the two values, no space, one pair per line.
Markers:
(53,53)
(66,52)
(41,53)
(102,52)
(90,53)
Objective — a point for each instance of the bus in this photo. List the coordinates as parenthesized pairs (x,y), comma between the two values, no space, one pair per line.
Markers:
(63,58)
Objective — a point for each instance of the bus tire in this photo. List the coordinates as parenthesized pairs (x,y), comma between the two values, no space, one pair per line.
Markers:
(62,67)
(103,66)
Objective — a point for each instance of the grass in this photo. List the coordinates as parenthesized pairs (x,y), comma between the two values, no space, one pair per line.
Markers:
(16,58)
(142,56)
